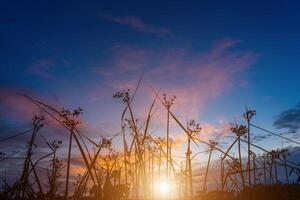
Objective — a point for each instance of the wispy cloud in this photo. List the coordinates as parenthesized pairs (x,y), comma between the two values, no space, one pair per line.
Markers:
(289,119)
(194,77)
(15,106)
(136,24)
(42,68)
(18,110)
(208,132)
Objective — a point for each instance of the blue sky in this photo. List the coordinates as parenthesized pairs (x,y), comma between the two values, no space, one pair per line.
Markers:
(215,56)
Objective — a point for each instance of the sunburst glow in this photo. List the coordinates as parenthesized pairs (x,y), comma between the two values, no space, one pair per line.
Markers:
(164,188)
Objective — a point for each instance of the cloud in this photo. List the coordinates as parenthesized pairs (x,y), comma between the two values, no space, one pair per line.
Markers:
(15,106)
(260,138)
(17,111)
(289,119)
(42,68)
(208,132)
(136,24)
(193,77)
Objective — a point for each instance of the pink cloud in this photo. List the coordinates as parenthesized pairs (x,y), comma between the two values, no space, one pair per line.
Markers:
(136,24)
(210,131)
(21,109)
(194,77)
(16,106)
(224,44)
(124,59)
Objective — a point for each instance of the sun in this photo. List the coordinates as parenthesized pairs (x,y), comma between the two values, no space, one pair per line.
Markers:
(164,188)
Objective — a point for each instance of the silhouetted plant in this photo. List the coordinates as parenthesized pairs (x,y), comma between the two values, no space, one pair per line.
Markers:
(284,153)
(24,185)
(71,120)
(297,172)
(80,190)
(55,172)
(193,130)
(248,116)
(240,131)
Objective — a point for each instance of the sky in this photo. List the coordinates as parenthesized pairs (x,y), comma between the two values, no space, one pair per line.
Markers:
(214,56)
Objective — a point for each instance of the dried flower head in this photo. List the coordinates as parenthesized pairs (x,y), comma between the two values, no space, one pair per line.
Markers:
(70,118)
(123,96)
(168,101)
(193,128)
(240,130)
(249,114)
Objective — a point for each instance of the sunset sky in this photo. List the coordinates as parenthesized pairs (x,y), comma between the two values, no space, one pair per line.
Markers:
(215,56)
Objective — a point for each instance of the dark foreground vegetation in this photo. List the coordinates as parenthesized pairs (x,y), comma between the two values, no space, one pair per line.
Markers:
(258,192)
